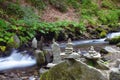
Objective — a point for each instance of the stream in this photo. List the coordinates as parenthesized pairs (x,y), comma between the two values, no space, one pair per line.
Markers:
(19,60)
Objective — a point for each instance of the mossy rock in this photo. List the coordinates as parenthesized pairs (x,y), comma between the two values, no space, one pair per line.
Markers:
(73,70)
(118,45)
(114,40)
(103,34)
(40,57)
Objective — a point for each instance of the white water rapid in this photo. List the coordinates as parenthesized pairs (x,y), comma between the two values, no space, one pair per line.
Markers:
(16,60)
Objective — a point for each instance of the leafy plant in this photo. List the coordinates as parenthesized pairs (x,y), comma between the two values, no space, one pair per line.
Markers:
(39,4)
(13,9)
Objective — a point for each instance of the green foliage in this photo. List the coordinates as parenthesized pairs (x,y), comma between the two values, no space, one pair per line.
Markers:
(25,23)
(74,3)
(26,32)
(93,15)
(108,4)
(59,4)
(13,9)
(110,17)
(39,4)
(89,7)
(4,34)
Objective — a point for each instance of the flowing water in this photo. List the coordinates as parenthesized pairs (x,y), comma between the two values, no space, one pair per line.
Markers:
(19,60)
(16,60)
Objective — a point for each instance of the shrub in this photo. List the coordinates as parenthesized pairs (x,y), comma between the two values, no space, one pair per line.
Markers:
(108,4)
(13,9)
(59,4)
(109,17)
(39,4)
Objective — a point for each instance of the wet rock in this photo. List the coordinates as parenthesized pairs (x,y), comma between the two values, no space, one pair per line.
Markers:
(48,56)
(73,70)
(14,42)
(34,43)
(17,41)
(104,51)
(114,53)
(56,52)
(114,40)
(109,49)
(40,57)
(41,43)
(102,65)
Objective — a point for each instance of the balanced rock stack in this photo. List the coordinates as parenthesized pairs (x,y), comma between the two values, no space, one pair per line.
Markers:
(92,54)
(69,47)
(56,52)
(69,53)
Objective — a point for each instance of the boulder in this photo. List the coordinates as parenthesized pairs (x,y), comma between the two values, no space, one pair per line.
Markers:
(56,52)
(115,74)
(117,63)
(16,41)
(42,70)
(34,43)
(40,57)
(113,53)
(114,40)
(71,69)
(102,65)
(109,49)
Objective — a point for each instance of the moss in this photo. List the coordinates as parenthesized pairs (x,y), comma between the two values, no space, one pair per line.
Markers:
(114,40)
(40,57)
(91,63)
(63,73)
(103,34)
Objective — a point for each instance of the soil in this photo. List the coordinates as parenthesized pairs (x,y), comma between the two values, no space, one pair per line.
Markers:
(51,15)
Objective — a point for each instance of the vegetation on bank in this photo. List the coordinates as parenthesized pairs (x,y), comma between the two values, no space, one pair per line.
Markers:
(22,20)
